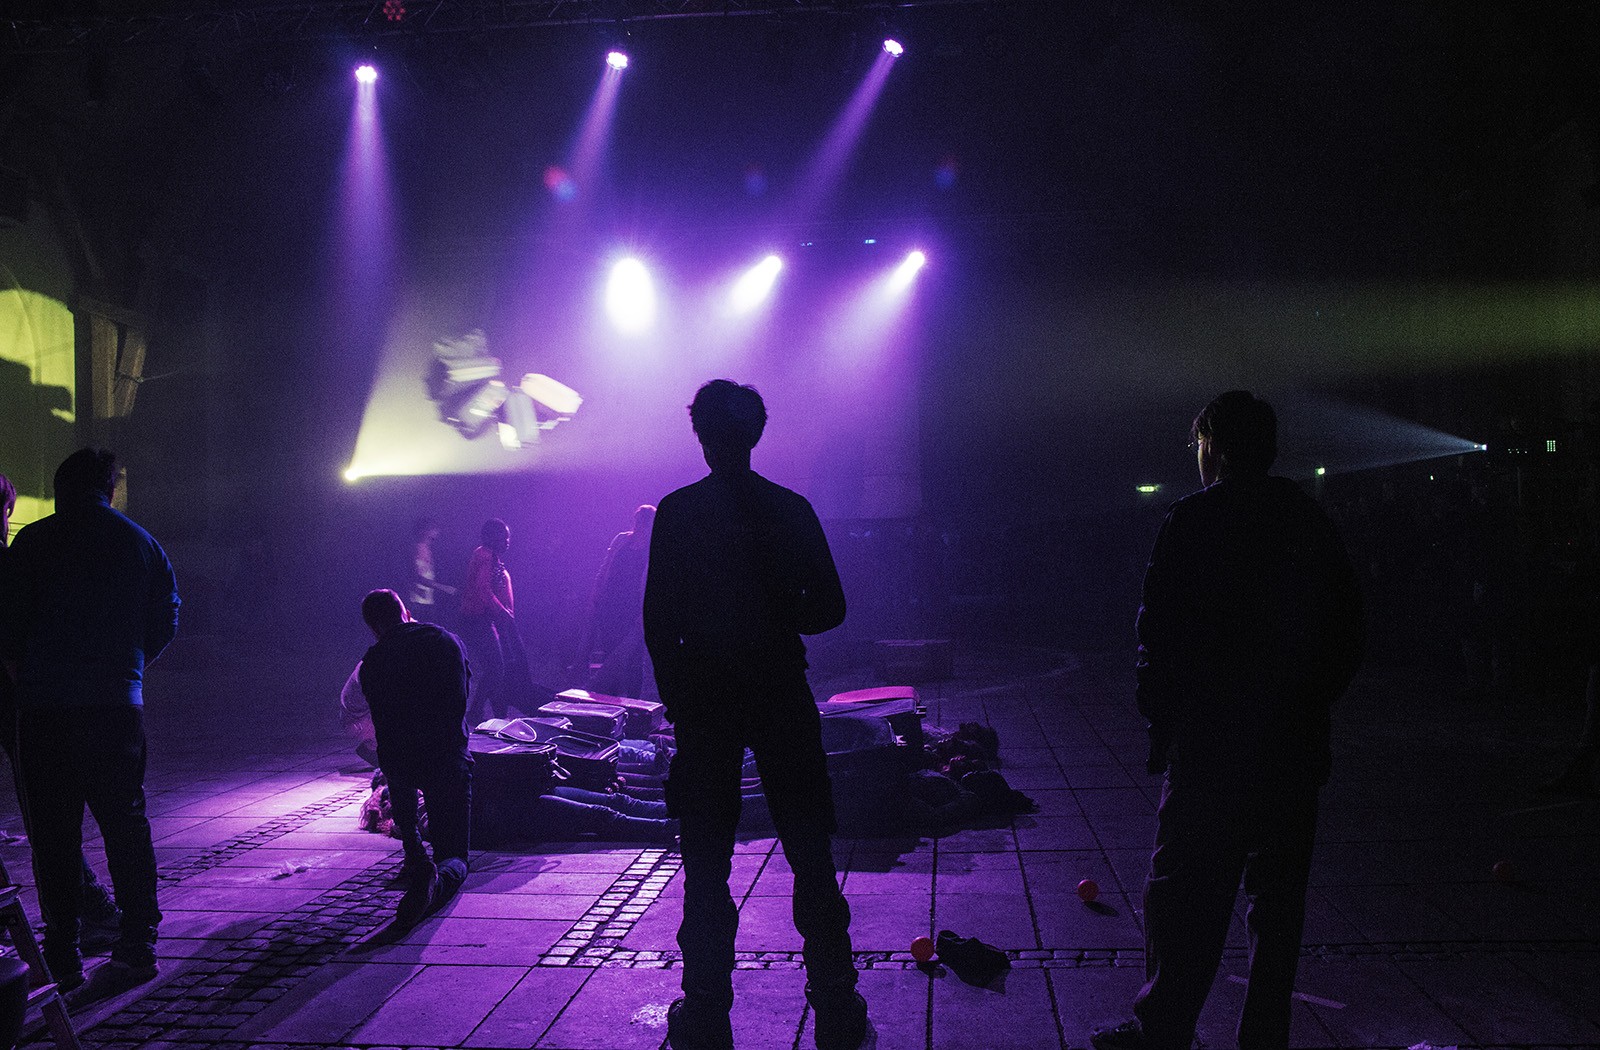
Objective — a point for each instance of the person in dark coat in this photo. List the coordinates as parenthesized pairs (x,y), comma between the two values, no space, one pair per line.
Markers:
(739,570)
(88,601)
(1249,630)
(415,681)
(100,921)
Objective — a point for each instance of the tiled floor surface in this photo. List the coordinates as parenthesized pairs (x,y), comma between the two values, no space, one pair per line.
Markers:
(272,896)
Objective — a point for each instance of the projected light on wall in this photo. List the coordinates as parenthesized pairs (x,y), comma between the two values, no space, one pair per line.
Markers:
(38,413)
(753,288)
(630,297)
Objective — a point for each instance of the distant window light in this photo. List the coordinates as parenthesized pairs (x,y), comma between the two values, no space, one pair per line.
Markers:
(870,240)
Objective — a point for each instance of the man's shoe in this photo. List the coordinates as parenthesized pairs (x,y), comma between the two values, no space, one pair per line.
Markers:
(841,1022)
(972,960)
(112,979)
(65,965)
(419,897)
(698,1028)
(1126,1036)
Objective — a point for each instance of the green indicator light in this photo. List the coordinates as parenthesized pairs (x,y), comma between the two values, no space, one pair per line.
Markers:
(1148,489)
(1321,471)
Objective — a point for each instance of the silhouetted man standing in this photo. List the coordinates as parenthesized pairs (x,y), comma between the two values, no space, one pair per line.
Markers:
(1250,628)
(739,570)
(415,680)
(88,601)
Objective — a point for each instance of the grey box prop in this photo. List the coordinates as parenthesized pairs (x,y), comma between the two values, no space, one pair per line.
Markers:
(644,716)
(598,719)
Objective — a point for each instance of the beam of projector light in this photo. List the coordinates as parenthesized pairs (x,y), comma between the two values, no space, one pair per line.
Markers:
(630,296)
(822,174)
(596,124)
(365,225)
(1340,438)
(753,288)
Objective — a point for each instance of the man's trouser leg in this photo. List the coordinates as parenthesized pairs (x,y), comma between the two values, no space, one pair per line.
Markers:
(113,776)
(55,827)
(403,811)
(794,776)
(448,792)
(1188,903)
(703,793)
(1275,877)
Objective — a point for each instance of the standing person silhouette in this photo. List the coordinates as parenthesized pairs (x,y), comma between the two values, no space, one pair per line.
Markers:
(101,920)
(1250,628)
(739,570)
(489,628)
(89,600)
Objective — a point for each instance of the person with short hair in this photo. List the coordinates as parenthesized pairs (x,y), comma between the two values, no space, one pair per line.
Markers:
(88,602)
(101,920)
(415,680)
(1250,628)
(739,570)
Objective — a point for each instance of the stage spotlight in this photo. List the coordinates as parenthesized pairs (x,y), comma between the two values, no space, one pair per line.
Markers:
(907,271)
(756,284)
(630,296)
(366,74)
(617,60)
(893,48)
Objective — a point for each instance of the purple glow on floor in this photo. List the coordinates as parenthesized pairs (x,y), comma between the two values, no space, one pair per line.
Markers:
(825,168)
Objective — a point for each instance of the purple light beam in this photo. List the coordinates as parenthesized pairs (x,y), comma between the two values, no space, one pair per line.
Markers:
(826,166)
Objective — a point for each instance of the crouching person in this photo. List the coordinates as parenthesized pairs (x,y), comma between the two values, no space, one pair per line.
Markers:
(415,680)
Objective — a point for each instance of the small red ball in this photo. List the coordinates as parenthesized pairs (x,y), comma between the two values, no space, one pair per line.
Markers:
(1088,890)
(1504,871)
(922,949)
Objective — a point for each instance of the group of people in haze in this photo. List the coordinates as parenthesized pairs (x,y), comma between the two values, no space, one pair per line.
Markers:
(1249,629)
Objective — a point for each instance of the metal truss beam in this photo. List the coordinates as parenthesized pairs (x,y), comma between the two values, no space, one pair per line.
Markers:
(236,22)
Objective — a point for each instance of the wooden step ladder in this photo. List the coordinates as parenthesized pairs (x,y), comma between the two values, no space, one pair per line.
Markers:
(42,990)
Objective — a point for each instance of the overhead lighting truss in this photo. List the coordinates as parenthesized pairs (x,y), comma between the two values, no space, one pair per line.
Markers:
(243,21)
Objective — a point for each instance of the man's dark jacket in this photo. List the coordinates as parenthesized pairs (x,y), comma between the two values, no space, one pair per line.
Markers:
(87,599)
(739,570)
(415,680)
(1250,628)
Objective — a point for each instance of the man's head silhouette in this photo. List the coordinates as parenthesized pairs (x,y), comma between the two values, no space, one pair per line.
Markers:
(728,418)
(1235,436)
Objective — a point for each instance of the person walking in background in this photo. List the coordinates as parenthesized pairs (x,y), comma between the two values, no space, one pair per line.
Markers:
(489,627)
(614,641)
(1250,628)
(415,679)
(87,601)
(739,570)
(424,591)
